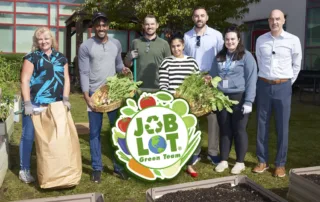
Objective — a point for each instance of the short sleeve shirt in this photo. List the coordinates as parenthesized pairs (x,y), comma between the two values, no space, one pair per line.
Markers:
(47,80)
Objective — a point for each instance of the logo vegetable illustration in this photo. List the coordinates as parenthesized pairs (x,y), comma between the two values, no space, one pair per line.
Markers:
(156,135)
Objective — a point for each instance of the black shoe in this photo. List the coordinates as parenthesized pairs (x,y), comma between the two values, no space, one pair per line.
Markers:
(96,176)
(121,174)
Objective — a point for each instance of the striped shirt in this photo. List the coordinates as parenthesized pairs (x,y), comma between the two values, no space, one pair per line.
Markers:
(173,71)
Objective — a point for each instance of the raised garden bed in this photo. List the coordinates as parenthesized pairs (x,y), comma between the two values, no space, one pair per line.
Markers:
(3,158)
(304,184)
(6,127)
(223,189)
(90,197)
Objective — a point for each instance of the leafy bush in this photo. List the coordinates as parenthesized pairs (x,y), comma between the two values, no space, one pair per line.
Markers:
(9,70)
(10,67)
(14,57)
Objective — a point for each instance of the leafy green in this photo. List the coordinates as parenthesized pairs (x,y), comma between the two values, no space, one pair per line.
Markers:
(203,97)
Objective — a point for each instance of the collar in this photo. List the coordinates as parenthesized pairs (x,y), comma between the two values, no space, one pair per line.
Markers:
(206,32)
(54,52)
(283,34)
(145,39)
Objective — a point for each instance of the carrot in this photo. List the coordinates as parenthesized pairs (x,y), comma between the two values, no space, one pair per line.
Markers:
(141,170)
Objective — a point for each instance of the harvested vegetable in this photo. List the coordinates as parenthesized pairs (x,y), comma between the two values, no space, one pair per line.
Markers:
(203,97)
(119,87)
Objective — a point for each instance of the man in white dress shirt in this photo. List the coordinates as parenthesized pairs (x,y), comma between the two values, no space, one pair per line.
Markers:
(279,61)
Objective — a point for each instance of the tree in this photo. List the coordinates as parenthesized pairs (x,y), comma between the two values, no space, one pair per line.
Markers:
(172,15)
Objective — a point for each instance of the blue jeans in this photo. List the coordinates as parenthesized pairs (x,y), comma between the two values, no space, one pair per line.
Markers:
(95,124)
(26,141)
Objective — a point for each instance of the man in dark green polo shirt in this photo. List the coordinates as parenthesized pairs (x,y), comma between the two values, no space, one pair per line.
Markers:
(149,51)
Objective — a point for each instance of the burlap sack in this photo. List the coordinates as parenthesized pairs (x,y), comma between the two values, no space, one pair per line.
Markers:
(59,162)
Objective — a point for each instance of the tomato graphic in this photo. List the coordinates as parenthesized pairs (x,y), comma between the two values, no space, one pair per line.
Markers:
(123,124)
(147,102)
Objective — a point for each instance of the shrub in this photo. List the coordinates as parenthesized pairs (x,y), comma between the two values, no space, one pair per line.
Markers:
(9,70)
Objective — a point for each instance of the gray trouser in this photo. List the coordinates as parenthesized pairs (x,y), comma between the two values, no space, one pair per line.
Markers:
(213,136)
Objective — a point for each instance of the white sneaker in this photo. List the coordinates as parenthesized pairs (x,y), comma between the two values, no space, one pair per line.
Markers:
(238,168)
(25,176)
(221,166)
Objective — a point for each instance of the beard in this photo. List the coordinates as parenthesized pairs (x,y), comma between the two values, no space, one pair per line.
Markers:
(149,34)
(200,25)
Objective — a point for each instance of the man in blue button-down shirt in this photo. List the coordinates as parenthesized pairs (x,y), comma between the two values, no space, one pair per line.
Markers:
(203,43)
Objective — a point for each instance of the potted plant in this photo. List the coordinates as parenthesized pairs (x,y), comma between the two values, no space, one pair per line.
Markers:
(304,184)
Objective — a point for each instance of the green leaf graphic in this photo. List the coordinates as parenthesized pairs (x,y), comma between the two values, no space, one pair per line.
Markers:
(157,172)
(128,111)
(189,120)
(180,107)
(131,103)
(164,96)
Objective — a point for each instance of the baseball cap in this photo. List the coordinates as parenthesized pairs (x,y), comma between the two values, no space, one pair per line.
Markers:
(99,15)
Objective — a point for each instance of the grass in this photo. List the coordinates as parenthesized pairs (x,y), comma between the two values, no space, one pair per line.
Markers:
(303,151)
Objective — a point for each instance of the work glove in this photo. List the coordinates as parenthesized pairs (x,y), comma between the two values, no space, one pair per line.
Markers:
(246,109)
(28,109)
(66,102)
(133,54)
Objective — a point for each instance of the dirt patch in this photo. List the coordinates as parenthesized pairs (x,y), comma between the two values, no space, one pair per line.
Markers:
(313,177)
(219,193)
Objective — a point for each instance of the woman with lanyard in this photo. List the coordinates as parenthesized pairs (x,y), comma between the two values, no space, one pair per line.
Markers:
(238,70)
(44,79)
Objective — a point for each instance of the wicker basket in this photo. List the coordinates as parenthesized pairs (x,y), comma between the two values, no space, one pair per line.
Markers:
(196,112)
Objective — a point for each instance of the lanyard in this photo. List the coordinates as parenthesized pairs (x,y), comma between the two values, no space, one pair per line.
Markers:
(227,65)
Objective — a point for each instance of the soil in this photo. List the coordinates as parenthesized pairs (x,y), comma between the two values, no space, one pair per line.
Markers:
(219,193)
(313,177)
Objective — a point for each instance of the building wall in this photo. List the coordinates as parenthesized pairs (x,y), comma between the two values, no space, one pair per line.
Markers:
(20,18)
(295,11)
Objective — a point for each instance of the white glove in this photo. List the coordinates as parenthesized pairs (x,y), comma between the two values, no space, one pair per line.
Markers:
(133,54)
(246,109)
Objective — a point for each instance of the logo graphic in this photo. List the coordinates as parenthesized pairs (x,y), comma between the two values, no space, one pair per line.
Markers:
(156,135)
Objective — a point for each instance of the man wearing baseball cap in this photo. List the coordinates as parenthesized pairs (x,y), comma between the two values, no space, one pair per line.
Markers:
(99,58)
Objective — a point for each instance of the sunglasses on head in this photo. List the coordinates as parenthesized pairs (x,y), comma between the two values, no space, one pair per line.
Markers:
(198,41)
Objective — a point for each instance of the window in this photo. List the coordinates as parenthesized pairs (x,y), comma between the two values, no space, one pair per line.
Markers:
(32,19)
(66,10)
(6,18)
(32,8)
(53,15)
(6,42)
(24,39)
(6,6)
(312,50)
(313,27)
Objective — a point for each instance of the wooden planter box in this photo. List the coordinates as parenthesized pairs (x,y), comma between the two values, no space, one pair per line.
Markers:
(6,127)
(302,189)
(155,193)
(3,158)
(91,197)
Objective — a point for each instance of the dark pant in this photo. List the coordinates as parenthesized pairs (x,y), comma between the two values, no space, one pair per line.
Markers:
(95,124)
(233,126)
(277,97)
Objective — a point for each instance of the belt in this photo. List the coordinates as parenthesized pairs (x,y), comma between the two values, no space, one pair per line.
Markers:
(278,81)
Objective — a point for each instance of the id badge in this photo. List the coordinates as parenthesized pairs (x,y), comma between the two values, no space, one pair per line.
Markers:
(275,62)
(225,83)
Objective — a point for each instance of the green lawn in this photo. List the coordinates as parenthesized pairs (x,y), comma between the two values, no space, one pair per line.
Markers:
(303,151)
